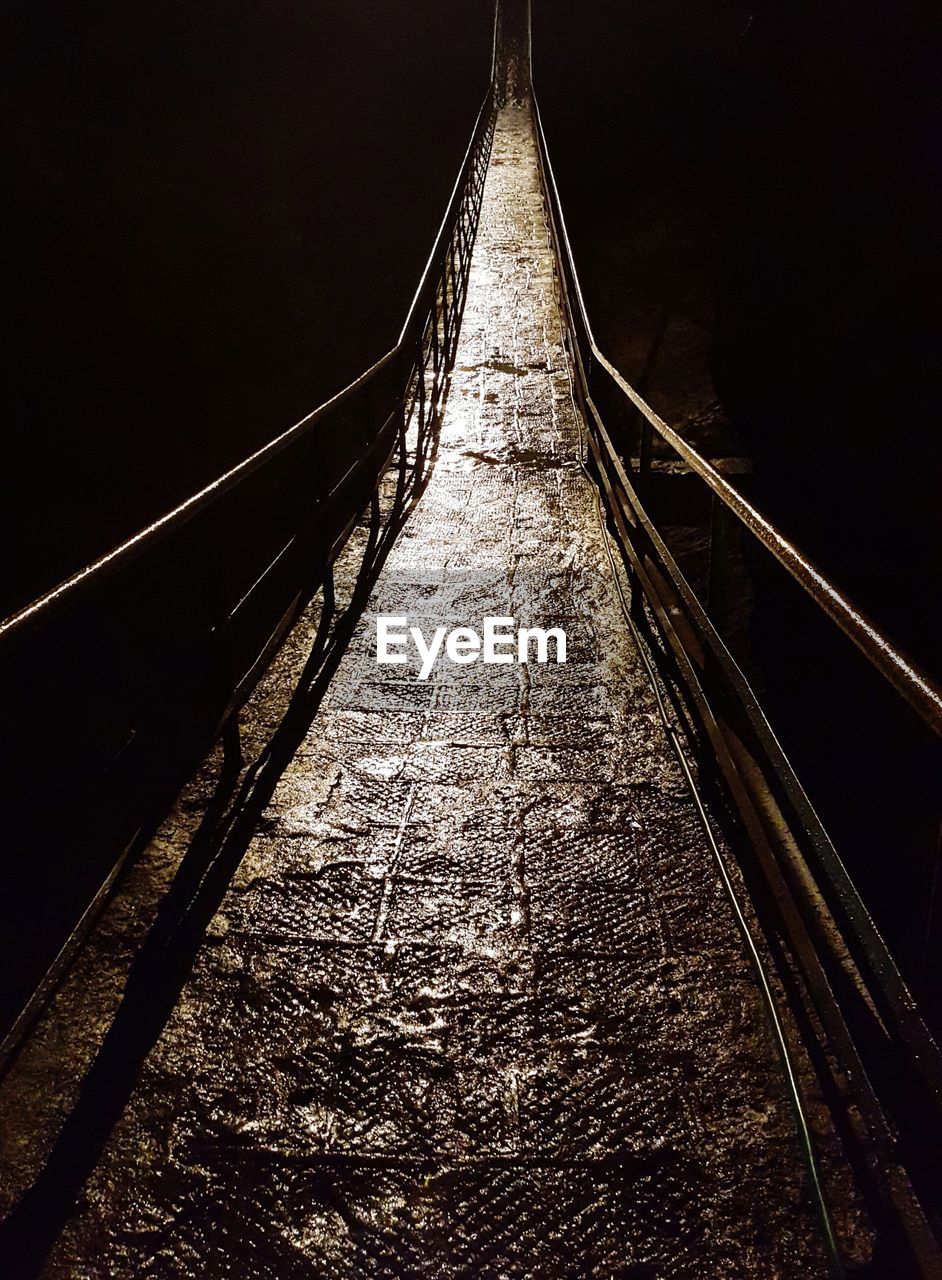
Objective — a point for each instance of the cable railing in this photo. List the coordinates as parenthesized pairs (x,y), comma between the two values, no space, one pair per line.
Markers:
(118,680)
(878,1065)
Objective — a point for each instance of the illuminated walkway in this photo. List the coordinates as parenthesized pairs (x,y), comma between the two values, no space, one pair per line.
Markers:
(474,1004)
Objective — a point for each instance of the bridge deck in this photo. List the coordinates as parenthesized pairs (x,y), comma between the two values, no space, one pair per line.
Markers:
(474,1003)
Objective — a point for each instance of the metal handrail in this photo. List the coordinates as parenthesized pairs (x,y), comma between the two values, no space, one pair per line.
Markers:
(922,693)
(89,576)
(170,651)
(870,1021)
(67,591)
(919,691)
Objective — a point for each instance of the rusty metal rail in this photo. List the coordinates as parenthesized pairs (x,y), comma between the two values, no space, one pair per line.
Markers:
(119,679)
(426,340)
(862,1025)
(923,694)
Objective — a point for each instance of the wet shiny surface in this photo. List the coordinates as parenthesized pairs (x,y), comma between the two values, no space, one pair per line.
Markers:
(474,1003)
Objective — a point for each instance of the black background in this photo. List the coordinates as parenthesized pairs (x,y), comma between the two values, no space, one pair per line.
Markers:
(770,173)
(217,216)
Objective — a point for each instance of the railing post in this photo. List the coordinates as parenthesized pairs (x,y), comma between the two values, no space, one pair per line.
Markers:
(718,575)
(436,351)
(420,373)
(637,591)
(446,310)
(463,254)
(402,443)
(645,446)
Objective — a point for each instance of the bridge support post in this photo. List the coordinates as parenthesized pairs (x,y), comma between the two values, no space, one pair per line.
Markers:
(420,388)
(718,576)
(436,351)
(446,316)
(645,445)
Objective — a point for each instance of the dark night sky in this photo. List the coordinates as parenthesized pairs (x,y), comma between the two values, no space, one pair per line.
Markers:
(770,174)
(767,177)
(218,214)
